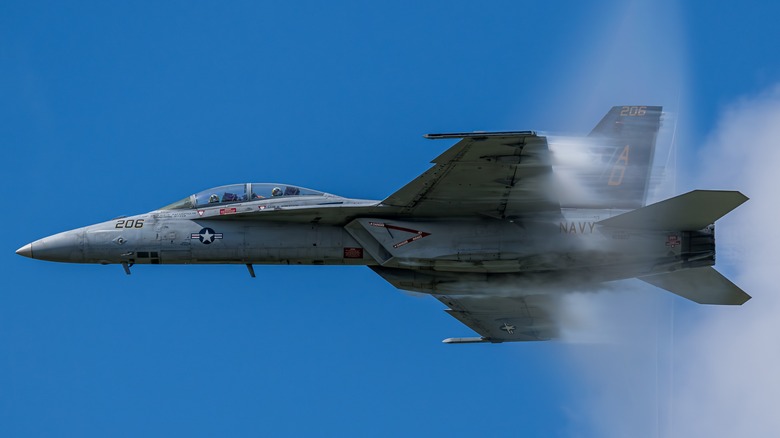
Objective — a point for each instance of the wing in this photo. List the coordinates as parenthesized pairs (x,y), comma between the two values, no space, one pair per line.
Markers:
(497,174)
(521,316)
(503,319)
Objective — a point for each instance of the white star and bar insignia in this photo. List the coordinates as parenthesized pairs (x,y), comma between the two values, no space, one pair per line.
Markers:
(206,236)
(509,328)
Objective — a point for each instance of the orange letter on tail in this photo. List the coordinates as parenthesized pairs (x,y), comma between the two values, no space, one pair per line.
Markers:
(616,179)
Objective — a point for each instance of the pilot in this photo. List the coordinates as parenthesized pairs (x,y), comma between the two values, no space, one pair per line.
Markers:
(213,198)
(276,191)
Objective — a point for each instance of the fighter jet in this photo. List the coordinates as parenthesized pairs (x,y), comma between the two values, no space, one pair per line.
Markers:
(502,226)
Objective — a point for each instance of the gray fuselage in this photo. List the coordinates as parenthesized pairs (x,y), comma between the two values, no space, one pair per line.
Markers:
(565,248)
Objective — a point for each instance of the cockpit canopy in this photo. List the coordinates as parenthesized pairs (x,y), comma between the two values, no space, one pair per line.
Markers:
(240,193)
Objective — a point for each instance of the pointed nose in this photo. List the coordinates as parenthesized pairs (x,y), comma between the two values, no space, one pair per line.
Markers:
(62,247)
(25,251)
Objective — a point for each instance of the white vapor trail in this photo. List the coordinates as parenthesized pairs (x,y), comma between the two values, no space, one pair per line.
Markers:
(678,369)
(727,365)
(674,368)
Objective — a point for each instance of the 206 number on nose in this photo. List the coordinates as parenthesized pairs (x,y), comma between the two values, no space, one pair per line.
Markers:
(129,223)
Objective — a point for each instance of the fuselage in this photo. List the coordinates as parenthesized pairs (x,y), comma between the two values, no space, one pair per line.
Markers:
(497,229)
(304,231)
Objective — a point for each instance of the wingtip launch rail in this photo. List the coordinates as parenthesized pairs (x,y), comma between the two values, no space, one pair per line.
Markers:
(479,134)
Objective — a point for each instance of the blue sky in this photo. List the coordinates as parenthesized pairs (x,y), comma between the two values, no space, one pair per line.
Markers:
(114,109)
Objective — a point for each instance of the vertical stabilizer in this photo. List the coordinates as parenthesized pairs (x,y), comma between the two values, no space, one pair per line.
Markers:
(623,143)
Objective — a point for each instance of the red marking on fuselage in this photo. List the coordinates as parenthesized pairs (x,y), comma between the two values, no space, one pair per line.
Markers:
(417,233)
(353,253)
(419,236)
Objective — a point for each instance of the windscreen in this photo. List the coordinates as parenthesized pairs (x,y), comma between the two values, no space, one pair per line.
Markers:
(240,193)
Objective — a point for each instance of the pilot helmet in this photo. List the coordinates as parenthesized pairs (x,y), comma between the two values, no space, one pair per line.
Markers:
(276,191)
(213,198)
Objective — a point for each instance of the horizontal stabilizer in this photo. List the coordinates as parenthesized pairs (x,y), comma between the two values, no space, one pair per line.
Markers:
(692,211)
(702,285)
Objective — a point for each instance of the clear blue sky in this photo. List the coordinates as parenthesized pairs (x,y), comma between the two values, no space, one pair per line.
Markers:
(114,108)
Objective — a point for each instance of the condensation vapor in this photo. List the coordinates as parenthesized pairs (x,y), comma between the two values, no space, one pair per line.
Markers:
(619,342)
(675,368)
(726,361)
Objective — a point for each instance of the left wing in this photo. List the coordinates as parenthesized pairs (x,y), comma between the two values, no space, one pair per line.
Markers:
(496,174)
(503,319)
(520,316)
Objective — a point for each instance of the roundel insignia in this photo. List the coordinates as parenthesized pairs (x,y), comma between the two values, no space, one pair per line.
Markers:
(509,328)
(206,236)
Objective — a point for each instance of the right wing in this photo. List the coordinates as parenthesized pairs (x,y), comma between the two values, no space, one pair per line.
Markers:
(510,174)
(495,174)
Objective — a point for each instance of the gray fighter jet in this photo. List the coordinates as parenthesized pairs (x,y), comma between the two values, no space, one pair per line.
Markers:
(498,229)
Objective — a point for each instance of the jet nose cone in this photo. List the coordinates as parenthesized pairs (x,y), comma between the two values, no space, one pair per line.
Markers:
(25,251)
(62,247)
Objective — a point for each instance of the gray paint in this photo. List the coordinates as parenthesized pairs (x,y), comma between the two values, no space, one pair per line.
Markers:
(499,228)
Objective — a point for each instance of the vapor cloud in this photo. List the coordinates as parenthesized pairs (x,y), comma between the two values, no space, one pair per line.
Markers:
(679,369)
(643,362)
(727,381)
